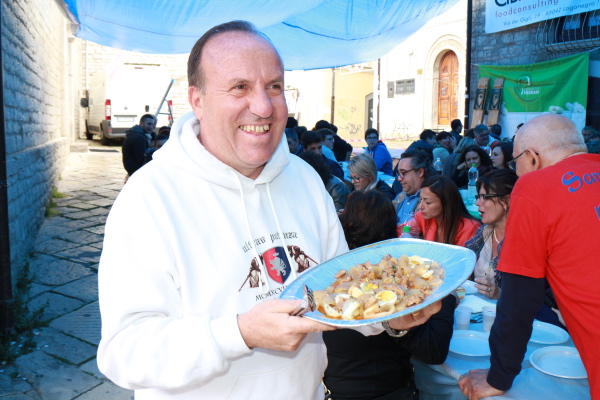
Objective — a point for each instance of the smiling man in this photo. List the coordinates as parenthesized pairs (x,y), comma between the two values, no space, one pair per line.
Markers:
(195,313)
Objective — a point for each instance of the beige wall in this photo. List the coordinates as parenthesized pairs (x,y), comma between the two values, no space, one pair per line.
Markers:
(351,90)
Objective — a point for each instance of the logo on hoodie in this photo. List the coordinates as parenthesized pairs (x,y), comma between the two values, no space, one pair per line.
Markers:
(277,264)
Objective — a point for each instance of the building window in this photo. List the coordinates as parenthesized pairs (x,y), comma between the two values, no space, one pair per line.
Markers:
(579,32)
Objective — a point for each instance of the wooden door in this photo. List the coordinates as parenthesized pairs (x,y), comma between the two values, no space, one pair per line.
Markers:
(448,89)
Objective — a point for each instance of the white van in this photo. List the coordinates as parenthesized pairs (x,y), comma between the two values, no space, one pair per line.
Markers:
(119,96)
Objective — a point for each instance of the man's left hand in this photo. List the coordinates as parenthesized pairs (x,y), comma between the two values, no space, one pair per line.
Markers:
(415,319)
(475,385)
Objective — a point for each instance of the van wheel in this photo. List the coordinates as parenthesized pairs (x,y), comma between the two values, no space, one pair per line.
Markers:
(88,135)
(103,139)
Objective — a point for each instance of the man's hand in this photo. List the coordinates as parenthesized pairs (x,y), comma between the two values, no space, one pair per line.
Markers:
(268,325)
(415,319)
(475,386)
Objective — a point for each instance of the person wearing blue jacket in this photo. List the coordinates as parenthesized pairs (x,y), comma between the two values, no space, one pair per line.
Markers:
(378,150)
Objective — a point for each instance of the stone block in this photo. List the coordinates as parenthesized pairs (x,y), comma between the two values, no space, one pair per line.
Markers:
(54,379)
(54,246)
(51,271)
(55,305)
(91,367)
(84,289)
(84,324)
(84,254)
(82,237)
(56,343)
(107,390)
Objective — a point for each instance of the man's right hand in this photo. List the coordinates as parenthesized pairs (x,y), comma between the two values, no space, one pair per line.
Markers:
(268,325)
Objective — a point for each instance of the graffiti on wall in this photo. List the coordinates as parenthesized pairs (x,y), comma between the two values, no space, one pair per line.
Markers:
(348,116)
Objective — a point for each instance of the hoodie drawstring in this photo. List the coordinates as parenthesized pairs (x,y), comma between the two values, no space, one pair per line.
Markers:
(285,248)
(264,288)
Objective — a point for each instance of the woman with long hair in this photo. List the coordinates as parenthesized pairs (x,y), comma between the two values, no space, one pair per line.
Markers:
(378,366)
(501,154)
(442,215)
(471,155)
(493,202)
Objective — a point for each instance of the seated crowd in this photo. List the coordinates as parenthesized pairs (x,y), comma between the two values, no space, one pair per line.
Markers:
(430,203)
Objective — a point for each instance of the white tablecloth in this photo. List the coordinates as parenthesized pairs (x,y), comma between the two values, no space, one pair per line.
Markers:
(437,382)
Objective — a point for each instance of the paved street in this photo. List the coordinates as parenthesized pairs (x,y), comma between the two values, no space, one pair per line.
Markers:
(65,266)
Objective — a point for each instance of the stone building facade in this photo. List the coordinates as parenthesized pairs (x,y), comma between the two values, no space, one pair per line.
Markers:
(523,46)
(40,57)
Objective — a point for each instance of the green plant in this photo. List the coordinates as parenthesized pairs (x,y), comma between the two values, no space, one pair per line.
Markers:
(21,340)
(50,207)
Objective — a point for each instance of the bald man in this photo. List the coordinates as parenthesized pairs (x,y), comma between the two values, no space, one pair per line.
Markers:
(551,234)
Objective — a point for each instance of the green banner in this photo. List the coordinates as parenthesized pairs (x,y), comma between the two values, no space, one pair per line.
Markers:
(557,86)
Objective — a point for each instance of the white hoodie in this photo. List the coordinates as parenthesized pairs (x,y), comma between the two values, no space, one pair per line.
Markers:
(176,271)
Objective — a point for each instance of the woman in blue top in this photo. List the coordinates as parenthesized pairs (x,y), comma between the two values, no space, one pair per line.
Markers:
(379,152)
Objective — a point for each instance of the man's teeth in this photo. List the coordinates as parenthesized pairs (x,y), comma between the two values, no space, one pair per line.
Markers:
(255,128)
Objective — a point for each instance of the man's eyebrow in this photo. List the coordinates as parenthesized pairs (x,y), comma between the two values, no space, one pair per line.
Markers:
(279,79)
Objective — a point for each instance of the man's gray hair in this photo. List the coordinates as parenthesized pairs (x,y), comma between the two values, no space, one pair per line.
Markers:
(553,136)
(480,128)
(420,159)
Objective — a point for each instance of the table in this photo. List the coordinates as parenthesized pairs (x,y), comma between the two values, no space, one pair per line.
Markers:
(440,382)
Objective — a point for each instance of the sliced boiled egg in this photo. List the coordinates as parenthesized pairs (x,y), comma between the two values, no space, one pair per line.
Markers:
(385,297)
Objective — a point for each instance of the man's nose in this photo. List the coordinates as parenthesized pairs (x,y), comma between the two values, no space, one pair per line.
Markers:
(260,104)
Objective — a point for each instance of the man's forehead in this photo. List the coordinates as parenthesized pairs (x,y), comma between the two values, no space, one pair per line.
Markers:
(405,162)
(230,44)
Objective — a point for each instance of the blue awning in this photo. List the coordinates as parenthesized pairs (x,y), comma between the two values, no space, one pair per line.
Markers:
(309,34)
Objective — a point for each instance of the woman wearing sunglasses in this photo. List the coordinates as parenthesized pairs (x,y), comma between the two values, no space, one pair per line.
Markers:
(493,202)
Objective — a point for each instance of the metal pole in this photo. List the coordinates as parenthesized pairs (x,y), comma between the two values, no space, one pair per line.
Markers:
(466,123)
(7,317)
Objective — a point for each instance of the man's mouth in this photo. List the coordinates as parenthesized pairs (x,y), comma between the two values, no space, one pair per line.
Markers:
(255,128)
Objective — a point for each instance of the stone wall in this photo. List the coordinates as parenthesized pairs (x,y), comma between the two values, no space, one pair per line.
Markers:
(38,112)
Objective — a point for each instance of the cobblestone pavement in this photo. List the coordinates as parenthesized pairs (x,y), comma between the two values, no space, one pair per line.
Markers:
(64,267)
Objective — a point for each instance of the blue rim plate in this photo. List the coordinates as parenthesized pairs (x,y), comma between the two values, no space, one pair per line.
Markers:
(458,263)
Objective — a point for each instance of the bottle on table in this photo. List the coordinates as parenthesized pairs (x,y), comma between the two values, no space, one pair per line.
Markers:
(438,165)
(472,188)
(406,232)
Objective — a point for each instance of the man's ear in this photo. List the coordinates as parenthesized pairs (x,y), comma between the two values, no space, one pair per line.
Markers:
(536,162)
(195,99)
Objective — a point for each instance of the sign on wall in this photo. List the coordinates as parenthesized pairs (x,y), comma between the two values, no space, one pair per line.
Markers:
(501,15)
(557,86)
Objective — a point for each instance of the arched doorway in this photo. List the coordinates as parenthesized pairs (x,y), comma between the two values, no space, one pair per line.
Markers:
(448,89)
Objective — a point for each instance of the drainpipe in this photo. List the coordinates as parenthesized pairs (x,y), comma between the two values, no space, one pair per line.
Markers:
(7,317)
(466,122)
(332,95)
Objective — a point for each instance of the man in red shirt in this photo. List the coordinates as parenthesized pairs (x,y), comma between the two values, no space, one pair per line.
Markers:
(552,230)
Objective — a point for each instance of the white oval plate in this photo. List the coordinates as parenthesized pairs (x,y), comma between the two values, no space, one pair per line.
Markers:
(458,263)
(545,333)
(560,361)
(470,343)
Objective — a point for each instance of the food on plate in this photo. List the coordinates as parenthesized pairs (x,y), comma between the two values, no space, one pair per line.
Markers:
(376,290)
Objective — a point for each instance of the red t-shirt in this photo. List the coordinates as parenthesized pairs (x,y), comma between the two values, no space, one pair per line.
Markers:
(552,231)
(466,229)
